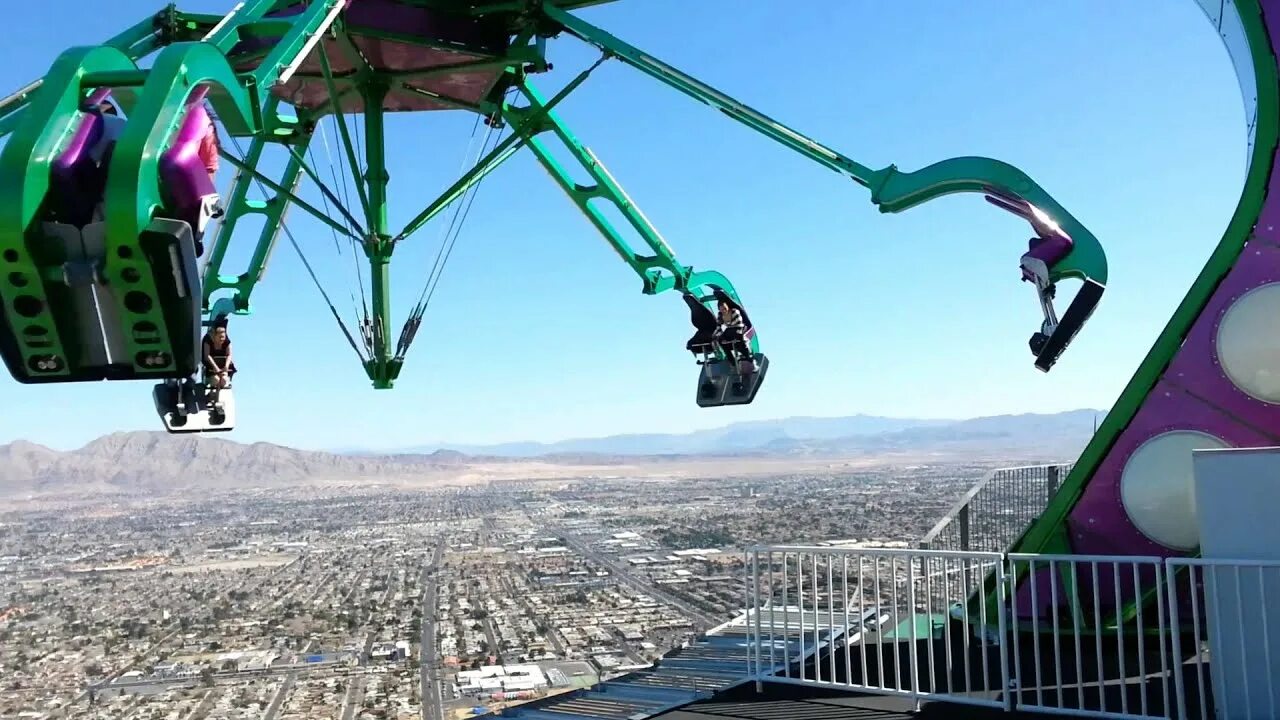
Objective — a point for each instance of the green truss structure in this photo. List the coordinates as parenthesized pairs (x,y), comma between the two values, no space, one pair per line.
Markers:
(270,71)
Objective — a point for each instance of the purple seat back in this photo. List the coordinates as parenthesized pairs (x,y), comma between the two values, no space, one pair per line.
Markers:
(1050,249)
(1050,245)
(183,176)
(75,180)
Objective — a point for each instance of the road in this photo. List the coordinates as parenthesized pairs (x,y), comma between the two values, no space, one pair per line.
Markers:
(432,702)
(274,708)
(623,573)
(354,697)
(494,648)
(206,704)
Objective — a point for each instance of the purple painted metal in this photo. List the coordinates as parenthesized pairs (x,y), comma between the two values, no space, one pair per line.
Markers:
(1110,575)
(474,40)
(1050,244)
(1050,250)
(76,152)
(182,172)
(75,181)
(1195,394)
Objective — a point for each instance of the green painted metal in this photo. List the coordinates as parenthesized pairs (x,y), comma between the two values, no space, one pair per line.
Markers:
(301,32)
(133,184)
(272,209)
(495,157)
(892,190)
(283,189)
(382,367)
(245,14)
(154,100)
(347,145)
(25,162)
(659,271)
(487,164)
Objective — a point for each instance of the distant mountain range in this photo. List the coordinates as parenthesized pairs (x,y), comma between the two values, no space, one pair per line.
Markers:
(855,433)
(148,463)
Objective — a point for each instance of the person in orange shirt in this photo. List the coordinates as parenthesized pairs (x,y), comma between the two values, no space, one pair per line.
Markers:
(209,147)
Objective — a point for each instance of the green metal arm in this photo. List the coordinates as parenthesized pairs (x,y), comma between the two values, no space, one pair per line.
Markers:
(238,205)
(703,92)
(891,189)
(659,271)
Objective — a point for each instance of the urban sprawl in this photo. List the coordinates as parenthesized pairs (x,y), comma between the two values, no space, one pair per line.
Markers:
(355,603)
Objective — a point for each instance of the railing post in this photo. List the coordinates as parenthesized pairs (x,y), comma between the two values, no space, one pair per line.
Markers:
(963,518)
(755,590)
(746,604)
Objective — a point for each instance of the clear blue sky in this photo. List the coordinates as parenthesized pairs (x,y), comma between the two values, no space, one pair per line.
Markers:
(1129,113)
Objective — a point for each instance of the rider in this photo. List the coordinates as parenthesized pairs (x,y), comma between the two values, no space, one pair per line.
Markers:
(210,144)
(95,184)
(729,335)
(112,127)
(215,351)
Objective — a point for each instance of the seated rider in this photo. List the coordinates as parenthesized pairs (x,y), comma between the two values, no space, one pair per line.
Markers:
(210,144)
(112,127)
(215,351)
(729,335)
(208,149)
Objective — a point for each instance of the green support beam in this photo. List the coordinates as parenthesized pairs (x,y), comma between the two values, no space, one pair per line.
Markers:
(382,367)
(482,168)
(495,157)
(347,145)
(273,210)
(892,190)
(247,167)
(659,271)
(704,93)
(302,32)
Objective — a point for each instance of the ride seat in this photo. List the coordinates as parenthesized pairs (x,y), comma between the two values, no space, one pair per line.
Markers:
(190,193)
(75,180)
(748,329)
(170,247)
(704,323)
(1048,251)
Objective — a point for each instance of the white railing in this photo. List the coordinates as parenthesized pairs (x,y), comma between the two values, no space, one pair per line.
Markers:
(1074,635)
(1222,615)
(813,607)
(998,509)
(1097,605)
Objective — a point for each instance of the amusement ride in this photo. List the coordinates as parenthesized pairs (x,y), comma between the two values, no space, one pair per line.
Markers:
(113,235)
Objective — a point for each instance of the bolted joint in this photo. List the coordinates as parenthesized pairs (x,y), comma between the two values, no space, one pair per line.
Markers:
(378,248)
(371,177)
